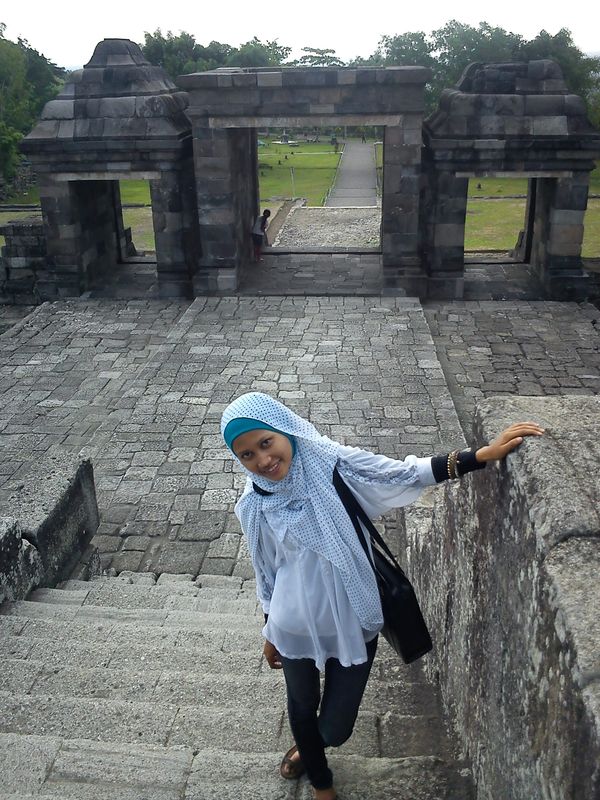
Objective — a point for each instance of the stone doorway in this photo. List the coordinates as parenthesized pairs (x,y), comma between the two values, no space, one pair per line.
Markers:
(118,118)
(228,106)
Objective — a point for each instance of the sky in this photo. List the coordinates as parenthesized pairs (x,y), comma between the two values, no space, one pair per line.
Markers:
(66,32)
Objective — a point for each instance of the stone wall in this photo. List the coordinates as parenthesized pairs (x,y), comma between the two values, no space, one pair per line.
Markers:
(506,564)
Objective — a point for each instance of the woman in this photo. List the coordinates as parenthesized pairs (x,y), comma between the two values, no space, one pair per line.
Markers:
(314,581)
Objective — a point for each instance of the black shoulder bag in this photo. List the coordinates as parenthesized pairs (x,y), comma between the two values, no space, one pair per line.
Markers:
(403,624)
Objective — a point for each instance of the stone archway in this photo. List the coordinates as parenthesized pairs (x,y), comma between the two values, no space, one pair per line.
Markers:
(227,106)
(118,118)
(509,120)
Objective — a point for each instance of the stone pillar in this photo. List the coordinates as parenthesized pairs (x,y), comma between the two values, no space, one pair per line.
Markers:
(63,228)
(214,164)
(444,234)
(558,236)
(402,266)
(175,226)
(81,237)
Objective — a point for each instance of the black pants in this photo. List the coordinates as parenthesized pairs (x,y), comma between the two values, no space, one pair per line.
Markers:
(315,729)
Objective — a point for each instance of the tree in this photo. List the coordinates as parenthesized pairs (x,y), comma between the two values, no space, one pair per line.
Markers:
(407,49)
(580,71)
(181,54)
(27,81)
(457,45)
(258,54)
(319,57)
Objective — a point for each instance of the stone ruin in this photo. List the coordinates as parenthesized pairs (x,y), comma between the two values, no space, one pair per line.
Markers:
(121,118)
(509,120)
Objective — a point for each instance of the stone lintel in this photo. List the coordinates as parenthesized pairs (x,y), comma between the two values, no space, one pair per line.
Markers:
(299,122)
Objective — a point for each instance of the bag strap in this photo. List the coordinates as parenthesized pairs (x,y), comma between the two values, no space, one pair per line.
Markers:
(356,512)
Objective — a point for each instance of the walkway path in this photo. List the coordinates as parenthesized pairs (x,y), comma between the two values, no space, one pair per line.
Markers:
(356,181)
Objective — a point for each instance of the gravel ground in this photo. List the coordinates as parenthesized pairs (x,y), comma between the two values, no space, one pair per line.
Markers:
(330,227)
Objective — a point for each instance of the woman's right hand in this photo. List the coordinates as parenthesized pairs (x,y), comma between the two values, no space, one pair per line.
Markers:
(271,654)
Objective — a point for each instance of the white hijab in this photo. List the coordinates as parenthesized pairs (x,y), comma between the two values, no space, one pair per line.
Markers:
(305,506)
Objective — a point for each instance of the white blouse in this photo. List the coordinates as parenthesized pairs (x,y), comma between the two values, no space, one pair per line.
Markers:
(310,615)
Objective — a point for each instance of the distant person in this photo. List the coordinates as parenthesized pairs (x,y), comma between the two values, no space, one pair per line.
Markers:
(363,138)
(259,234)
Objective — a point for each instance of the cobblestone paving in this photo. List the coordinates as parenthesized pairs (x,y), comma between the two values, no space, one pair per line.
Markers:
(140,386)
(314,274)
(11,315)
(515,348)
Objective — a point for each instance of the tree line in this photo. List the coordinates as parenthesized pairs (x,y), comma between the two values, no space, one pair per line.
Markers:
(28,79)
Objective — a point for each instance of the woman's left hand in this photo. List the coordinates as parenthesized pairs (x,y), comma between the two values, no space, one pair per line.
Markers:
(508,440)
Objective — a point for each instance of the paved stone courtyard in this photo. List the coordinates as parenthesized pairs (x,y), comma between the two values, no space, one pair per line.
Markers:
(139,387)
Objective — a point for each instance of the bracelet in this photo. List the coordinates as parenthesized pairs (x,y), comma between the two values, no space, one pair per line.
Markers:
(452,462)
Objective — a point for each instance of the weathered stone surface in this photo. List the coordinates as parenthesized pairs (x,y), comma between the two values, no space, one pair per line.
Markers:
(54,502)
(505,566)
(21,567)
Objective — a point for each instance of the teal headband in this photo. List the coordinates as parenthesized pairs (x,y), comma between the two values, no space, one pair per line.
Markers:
(242,425)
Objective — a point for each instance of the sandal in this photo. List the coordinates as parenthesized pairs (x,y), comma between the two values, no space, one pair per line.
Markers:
(290,768)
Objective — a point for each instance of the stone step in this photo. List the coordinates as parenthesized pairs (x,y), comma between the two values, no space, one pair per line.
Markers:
(50,767)
(225,583)
(90,636)
(124,595)
(245,728)
(211,690)
(140,617)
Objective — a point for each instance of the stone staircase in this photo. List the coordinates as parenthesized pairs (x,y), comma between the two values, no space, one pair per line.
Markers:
(133,688)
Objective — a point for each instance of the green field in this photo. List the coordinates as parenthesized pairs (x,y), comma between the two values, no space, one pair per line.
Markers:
(495,225)
(305,171)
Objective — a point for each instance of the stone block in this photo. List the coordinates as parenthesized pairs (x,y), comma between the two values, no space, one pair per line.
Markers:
(269,78)
(58,109)
(452,235)
(244,79)
(543,69)
(21,567)
(346,77)
(550,126)
(545,105)
(55,506)
(574,105)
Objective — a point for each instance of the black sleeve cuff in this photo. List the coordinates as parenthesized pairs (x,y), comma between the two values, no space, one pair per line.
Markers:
(466,462)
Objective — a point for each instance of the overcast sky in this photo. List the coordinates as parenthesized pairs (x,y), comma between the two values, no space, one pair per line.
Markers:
(67,32)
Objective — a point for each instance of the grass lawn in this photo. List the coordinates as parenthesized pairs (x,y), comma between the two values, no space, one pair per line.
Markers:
(135,192)
(313,164)
(493,224)
(498,187)
(131,192)
(140,222)
(591,236)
